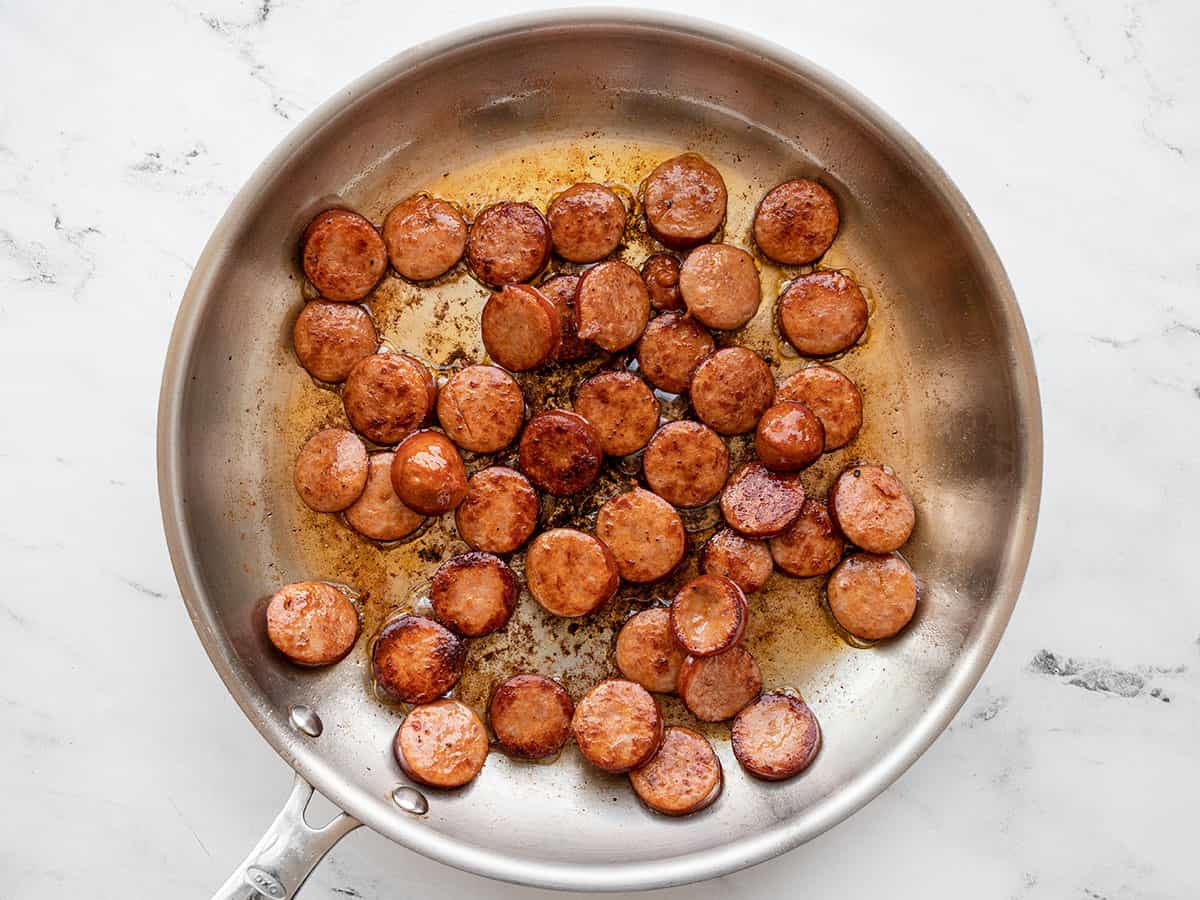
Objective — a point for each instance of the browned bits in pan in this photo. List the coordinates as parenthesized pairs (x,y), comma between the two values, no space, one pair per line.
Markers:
(832,397)
(823,313)
(379,514)
(331,338)
(508,243)
(416,660)
(481,408)
(646,650)
(744,561)
(872,508)
(621,408)
(474,594)
(343,255)
(684,200)
(811,545)
(442,744)
(644,533)
(796,222)
(425,237)
(732,389)
(531,716)
(587,222)
(775,737)
(312,623)
(617,725)
(682,778)
(760,503)
(872,596)
(560,452)
(331,470)
(500,510)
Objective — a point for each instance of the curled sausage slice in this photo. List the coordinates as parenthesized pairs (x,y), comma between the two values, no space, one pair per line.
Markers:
(661,274)
(708,615)
(716,688)
(344,256)
(872,596)
(331,470)
(621,408)
(789,437)
(612,306)
(823,313)
(775,737)
(744,561)
(812,545)
(561,290)
(796,222)
(330,338)
(646,650)
(560,452)
(760,503)
(570,573)
(474,594)
(508,243)
(388,396)
(671,348)
(683,777)
(521,328)
(720,286)
(481,408)
(428,474)
(416,660)
(644,533)
(379,514)
(686,463)
(312,623)
(531,716)
(832,397)
(442,744)
(732,389)
(872,508)
(587,222)
(499,512)
(684,199)
(617,725)
(425,237)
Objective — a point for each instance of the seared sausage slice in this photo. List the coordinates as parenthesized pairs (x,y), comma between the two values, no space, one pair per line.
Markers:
(684,199)
(647,652)
(621,408)
(521,328)
(481,408)
(720,286)
(872,508)
(561,290)
(344,256)
(312,623)
(644,533)
(612,306)
(661,274)
(796,222)
(330,338)
(499,512)
(789,437)
(428,474)
(776,737)
(716,688)
(760,503)
(708,615)
(812,545)
(531,716)
(388,396)
(570,573)
(823,313)
(683,777)
(560,452)
(441,744)
(671,348)
(686,463)
(834,399)
(587,222)
(331,470)
(732,389)
(744,561)
(872,596)
(425,237)
(617,725)
(416,660)
(508,243)
(379,514)
(474,594)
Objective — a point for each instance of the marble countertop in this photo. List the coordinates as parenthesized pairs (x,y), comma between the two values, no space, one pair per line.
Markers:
(1073,127)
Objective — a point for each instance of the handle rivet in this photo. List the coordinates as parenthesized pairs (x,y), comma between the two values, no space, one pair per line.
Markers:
(410,800)
(306,721)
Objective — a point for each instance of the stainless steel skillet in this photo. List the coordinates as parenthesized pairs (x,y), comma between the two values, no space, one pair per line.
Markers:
(950,377)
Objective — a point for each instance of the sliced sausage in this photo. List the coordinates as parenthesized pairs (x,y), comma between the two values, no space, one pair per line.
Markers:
(330,338)
(671,348)
(531,716)
(775,737)
(744,561)
(508,243)
(789,437)
(720,286)
(732,389)
(617,725)
(647,652)
(872,596)
(344,256)
(644,533)
(560,452)
(474,594)
(521,328)
(388,396)
(612,306)
(331,470)
(416,660)
(796,222)
(481,408)
(760,503)
(823,313)
(587,222)
(716,688)
(812,545)
(379,514)
(834,399)
(499,512)
(570,573)
(684,199)
(686,463)
(561,290)
(708,615)
(661,274)
(442,744)
(683,777)
(872,508)
(621,408)
(428,474)
(425,237)
(312,623)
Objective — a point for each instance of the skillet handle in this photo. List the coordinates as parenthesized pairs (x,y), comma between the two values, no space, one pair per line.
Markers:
(287,853)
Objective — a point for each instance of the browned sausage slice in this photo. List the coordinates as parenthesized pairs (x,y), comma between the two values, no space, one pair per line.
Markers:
(834,399)
(686,463)
(708,615)
(760,503)
(474,594)
(744,561)
(531,716)
(561,290)
(684,199)
(416,660)
(481,408)
(379,514)
(612,306)
(617,725)
(775,737)
(716,688)
(621,408)
(425,237)
(732,389)
(331,470)
(428,474)
(684,776)
(872,508)
(661,274)
(570,573)
(312,623)
(344,256)
(330,338)
(872,596)
(587,222)
(521,328)
(720,286)
(671,348)
(499,512)
(644,533)
(508,243)
(823,313)
(789,437)
(442,744)
(812,545)
(796,222)
(388,396)
(560,452)
(647,652)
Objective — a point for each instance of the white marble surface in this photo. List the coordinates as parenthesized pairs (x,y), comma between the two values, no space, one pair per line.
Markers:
(1072,126)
